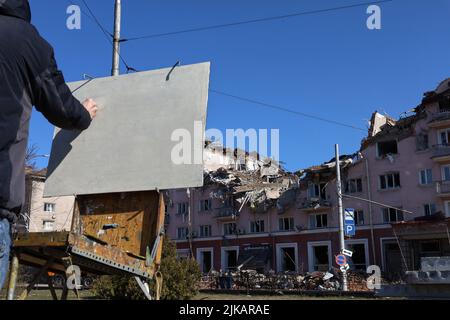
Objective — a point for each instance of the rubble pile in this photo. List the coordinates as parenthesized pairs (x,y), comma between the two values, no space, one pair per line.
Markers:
(320,281)
(356,282)
(263,188)
(311,281)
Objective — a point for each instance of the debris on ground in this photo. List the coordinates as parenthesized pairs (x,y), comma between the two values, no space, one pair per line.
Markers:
(310,281)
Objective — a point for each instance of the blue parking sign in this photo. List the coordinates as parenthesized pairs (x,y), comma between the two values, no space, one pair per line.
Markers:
(349,222)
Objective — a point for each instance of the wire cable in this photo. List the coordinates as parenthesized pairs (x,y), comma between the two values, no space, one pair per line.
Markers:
(233,24)
(284,109)
(109,36)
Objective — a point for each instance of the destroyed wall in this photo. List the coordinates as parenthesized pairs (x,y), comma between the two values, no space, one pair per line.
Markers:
(215,157)
(259,190)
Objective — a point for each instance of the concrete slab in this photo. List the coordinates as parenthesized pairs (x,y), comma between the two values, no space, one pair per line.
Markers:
(129,145)
(435,264)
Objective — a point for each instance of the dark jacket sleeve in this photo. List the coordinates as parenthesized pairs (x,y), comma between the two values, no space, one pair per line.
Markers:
(55,101)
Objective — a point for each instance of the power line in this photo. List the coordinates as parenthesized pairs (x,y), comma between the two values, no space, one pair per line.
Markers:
(232,24)
(284,109)
(107,34)
(97,22)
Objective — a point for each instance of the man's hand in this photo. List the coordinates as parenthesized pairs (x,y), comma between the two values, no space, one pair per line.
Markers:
(91,107)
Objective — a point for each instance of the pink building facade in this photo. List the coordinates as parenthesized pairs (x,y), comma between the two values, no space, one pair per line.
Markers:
(401,173)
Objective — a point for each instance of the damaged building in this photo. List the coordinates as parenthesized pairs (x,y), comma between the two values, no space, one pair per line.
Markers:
(255,210)
(252,214)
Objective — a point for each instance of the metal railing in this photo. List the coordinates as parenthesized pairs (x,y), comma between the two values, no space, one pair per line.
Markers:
(441,116)
(441,150)
(314,204)
(227,212)
(443,187)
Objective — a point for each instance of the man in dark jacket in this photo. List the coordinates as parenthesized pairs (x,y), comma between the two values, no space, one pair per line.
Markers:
(28,76)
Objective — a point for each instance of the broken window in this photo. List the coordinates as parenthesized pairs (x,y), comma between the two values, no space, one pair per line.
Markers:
(317,191)
(444,104)
(286,224)
(205,205)
(429,209)
(359,217)
(426,176)
(257,226)
(430,248)
(390,181)
(206,261)
(228,202)
(358,259)
(392,215)
(229,228)
(386,147)
(182,233)
(320,258)
(182,208)
(353,186)
(317,221)
(205,231)
(288,259)
(422,142)
(231,257)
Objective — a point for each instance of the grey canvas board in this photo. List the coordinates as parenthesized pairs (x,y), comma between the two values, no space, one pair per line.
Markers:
(128,146)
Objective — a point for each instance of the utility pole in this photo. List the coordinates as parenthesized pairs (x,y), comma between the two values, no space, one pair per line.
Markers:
(341,214)
(116,42)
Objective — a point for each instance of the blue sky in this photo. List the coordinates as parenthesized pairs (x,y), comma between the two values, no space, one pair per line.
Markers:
(326,64)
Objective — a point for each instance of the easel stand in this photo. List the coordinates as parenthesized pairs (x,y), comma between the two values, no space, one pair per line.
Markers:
(120,233)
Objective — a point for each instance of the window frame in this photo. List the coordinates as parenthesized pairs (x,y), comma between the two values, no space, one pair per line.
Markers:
(384,155)
(186,231)
(358,213)
(50,204)
(291,225)
(257,224)
(431,209)
(203,207)
(443,176)
(386,177)
(232,232)
(397,213)
(204,227)
(313,218)
(428,179)
(44,223)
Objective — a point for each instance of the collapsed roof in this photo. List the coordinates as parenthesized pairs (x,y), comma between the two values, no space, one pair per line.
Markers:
(261,189)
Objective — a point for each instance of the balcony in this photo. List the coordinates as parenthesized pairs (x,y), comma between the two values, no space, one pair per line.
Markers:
(441,152)
(226,214)
(443,188)
(314,205)
(440,119)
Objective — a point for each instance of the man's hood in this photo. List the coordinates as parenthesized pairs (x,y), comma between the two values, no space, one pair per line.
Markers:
(16,8)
